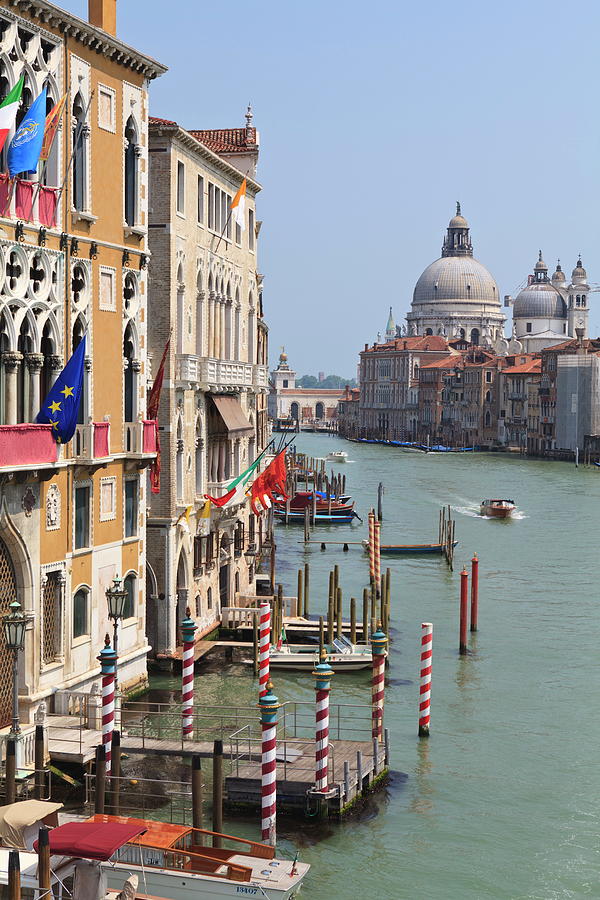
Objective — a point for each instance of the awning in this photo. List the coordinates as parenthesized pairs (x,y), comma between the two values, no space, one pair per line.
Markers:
(16,818)
(91,840)
(232,414)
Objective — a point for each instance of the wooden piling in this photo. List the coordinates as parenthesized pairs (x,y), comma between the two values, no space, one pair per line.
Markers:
(10,772)
(306,588)
(100,780)
(321,636)
(365,616)
(14,875)
(217,805)
(43,851)
(352,620)
(330,619)
(338,616)
(380,502)
(306,525)
(115,773)
(39,762)
(359,771)
(197,791)
(300,602)
(373,603)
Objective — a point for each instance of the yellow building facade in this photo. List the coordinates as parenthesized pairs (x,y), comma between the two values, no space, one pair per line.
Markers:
(73,262)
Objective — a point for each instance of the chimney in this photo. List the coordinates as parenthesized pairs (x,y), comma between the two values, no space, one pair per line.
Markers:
(579,332)
(103,14)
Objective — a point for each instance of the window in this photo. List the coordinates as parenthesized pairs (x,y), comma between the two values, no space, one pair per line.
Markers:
(131,172)
(106,108)
(108,499)
(180,188)
(129,586)
(285,382)
(80,612)
(211,205)
(227,216)
(131,507)
(79,155)
(82,516)
(488,377)
(528,327)
(108,298)
(209,598)
(200,200)
(251,234)
(238,234)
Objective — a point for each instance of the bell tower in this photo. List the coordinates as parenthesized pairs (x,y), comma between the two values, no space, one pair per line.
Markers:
(578,302)
(457,241)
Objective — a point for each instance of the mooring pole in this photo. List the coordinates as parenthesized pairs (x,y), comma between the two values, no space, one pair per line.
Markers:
(306,588)
(10,771)
(321,636)
(44,886)
(217,810)
(425,686)
(100,780)
(378,645)
(352,620)
(365,616)
(474,592)
(14,875)
(377,574)
(264,641)
(268,718)
(115,772)
(323,674)
(464,591)
(188,630)
(371,546)
(197,798)
(380,502)
(299,603)
(108,664)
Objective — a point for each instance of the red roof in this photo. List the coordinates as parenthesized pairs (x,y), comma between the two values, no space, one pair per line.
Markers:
(227,140)
(91,840)
(424,342)
(531,367)
(448,362)
(154,120)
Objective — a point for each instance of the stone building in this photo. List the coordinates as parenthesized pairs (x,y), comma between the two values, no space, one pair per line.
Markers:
(456,296)
(317,406)
(519,400)
(548,310)
(72,263)
(206,290)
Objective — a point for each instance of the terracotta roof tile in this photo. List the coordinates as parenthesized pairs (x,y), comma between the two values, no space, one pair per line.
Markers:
(154,120)
(226,140)
(531,367)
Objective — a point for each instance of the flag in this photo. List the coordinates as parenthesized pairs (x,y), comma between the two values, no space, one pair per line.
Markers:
(52,122)
(204,513)
(62,403)
(238,206)
(282,638)
(236,489)
(152,414)
(271,481)
(8,110)
(26,146)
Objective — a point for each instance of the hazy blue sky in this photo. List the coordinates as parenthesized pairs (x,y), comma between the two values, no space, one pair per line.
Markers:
(374,118)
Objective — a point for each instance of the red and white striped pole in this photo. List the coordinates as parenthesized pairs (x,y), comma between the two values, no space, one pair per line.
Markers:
(269,705)
(425,687)
(188,630)
(108,663)
(371,546)
(323,673)
(464,594)
(378,644)
(264,646)
(377,557)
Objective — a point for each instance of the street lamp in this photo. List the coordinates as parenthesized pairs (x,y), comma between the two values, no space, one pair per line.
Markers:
(116,598)
(14,635)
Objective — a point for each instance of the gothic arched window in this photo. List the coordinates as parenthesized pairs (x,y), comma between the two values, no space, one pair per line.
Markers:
(131,172)
(78,333)
(79,155)
(129,376)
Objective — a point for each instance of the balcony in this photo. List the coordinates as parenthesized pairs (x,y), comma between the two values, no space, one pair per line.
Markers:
(91,443)
(28,447)
(140,439)
(519,397)
(219,374)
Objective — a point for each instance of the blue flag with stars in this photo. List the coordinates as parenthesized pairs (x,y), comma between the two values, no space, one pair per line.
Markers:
(62,403)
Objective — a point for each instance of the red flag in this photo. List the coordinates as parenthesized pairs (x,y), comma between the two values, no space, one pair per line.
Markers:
(152,413)
(271,481)
(51,127)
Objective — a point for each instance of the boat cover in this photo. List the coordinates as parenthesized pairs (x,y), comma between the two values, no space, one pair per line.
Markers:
(16,818)
(91,840)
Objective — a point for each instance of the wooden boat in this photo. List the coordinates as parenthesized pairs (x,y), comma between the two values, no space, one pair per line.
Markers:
(297,518)
(339,456)
(341,655)
(497,509)
(409,549)
(176,861)
(304,500)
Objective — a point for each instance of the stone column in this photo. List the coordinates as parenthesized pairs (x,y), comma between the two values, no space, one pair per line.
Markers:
(211,324)
(223,353)
(11,362)
(217,318)
(222,452)
(56,365)
(34,361)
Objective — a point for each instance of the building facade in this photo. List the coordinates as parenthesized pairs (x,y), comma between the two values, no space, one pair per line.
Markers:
(206,292)
(73,263)
(308,406)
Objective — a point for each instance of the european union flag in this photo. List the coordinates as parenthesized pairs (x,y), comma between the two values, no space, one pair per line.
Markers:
(26,146)
(62,403)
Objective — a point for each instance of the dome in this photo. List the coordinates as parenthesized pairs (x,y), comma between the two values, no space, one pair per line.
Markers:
(458,222)
(559,275)
(456,278)
(539,300)
(578,274)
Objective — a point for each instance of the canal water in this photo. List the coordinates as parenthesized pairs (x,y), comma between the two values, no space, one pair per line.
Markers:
(502,801)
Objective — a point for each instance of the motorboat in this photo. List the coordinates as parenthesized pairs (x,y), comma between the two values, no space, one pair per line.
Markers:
(297,518)
(497,509)
(409,549)
(341,654)
(306,500)
(338,456)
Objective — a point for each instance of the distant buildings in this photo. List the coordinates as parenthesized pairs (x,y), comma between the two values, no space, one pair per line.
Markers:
(302,405)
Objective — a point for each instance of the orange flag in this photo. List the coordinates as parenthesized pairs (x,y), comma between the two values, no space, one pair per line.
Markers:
(51,127)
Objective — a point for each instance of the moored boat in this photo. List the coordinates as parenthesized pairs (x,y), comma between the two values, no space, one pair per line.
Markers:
(297,518)
(497,509)
(410,549)
(342,655)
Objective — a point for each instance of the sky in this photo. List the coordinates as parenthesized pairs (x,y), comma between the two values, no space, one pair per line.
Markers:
(374,120)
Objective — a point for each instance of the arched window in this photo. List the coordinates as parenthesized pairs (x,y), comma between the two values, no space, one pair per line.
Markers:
(488,418)
(294,411)
(199,316)
(578,301)
(236,327)
(198,460)
(583,299)
(320,410)
(488,396)
(428,331)
(49,170)
(198,606)
(25,347)
(475,336)
(79,155)
(129,586)
(180,308)
(209,598)
(251,321)
(129,376)
(80,612)
(131,172)
(462,332)
(179,461)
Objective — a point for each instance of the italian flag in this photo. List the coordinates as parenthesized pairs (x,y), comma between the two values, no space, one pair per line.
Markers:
(8,110)
(238,206)
(236,489)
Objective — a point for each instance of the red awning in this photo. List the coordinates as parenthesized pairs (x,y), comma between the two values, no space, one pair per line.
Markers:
(91,840)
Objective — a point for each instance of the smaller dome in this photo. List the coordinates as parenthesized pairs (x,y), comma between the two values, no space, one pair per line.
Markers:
(540,265)
(539,300)
(458,222)
(559,275)
(578,272)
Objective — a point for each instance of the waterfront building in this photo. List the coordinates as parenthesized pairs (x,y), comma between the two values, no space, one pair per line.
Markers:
(207,293)
(470,400)
(307,406)
(348,412)
(578,398)
(73,263)
(519,396)
(548,310)
(456,296)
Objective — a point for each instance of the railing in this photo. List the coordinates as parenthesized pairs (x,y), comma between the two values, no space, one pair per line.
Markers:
(221,372)
(247,750)
(27,445)
(238,616)
(141,797)
(25,746)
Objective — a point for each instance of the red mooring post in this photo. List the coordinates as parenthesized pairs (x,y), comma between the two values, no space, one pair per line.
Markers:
(464,592)
(474,592)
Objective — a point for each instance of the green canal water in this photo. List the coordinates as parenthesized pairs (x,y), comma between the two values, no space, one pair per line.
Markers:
(502,800)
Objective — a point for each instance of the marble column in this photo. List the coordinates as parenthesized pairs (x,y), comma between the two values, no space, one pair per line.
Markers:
(56,365)
(222,452)
(11,362)
(211,324)
(34,362)
(223,354)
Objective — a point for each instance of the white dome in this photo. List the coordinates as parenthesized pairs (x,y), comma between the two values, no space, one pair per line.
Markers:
(456,279)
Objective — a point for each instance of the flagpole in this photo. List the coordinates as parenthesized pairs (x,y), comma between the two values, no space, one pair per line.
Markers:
(47,160)
(223,232)
(78,131)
